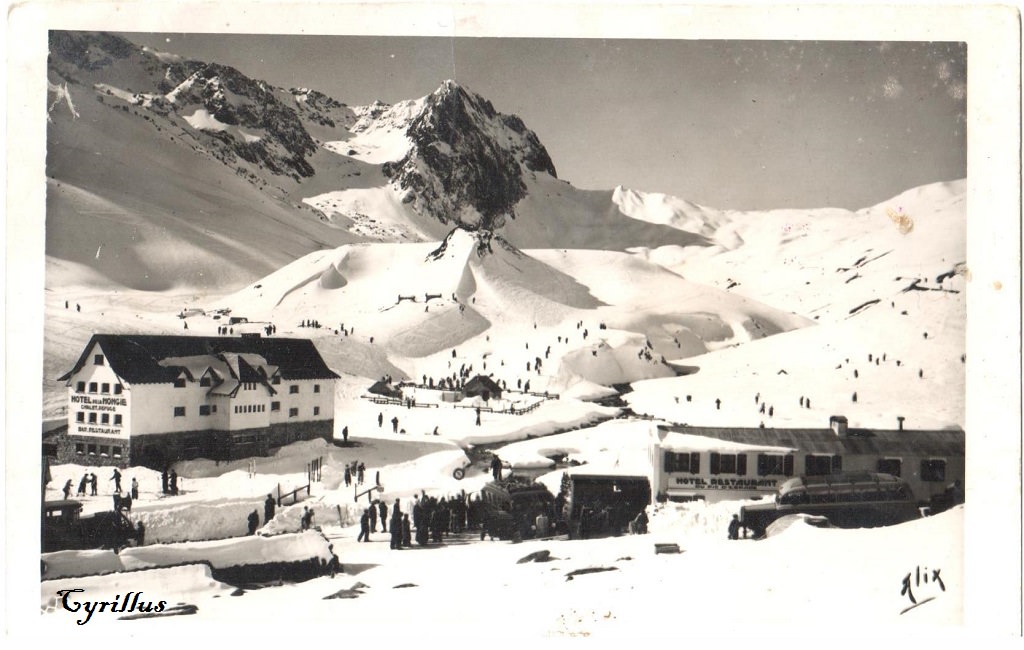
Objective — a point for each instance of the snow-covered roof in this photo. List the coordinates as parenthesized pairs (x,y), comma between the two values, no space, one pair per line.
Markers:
(688,442)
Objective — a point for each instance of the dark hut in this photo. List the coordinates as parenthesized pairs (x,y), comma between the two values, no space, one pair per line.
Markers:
(483,386)
(385,389)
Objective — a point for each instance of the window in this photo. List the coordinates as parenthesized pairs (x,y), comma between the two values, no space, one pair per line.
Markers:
(92,418)
(179,382)
(822,465)
(97,360)
(80,387)
(204,409)
(774,464)
(293,413)
(105,418)
(316,410)
(117,389)
(682,462)
(890,466)
(205,381)
(104,450)
(933,469)
(728,464)
(293,390)
(92,387)
(105,388)
(275,406)
(236,408)
(80,417)
(80,449)
(116,451)
(179,411)
(92,450)
(117,419)
(316,388)
(214,408)
(276,380)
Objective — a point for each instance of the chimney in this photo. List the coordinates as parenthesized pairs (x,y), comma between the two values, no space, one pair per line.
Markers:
(900,418)
(838,425)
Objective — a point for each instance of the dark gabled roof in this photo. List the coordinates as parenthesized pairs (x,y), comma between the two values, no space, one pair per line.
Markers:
(940,442)
(136,357)
(381,387)
(481,381)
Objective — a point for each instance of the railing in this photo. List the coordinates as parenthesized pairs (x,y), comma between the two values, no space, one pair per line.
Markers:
(294,494)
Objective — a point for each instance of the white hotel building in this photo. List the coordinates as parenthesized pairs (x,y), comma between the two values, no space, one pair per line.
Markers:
(151,400)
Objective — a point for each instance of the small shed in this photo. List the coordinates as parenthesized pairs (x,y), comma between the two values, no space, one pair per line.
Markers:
(482,386)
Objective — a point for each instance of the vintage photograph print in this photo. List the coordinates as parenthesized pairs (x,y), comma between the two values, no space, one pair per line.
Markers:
(499,334)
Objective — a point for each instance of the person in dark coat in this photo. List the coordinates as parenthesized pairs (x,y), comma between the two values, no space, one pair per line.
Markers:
(268,508)
(406,531)
(380,419)
(396,529)
(344,434)
(496,467)
(383,509)
(174,482)
(116,478)
(348,476)
(373,518)
(254,522)
(93,483)
(734,527)
(140,534)
(67,490)
(164,482)
(364,527)
(82,484)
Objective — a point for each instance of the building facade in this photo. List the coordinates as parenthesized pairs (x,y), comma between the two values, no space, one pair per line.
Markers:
(151,400)
(718,464)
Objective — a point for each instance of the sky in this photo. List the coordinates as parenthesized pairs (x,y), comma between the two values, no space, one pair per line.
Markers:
(728,124)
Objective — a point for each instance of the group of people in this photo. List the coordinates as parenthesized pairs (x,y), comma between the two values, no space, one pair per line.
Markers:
(169,482)
(355,472)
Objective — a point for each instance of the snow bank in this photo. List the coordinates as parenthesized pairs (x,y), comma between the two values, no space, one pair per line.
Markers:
(235,552)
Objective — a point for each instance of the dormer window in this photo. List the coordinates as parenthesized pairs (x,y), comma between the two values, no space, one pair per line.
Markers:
(97,360)
(205,381)
(276,380)
(179,382)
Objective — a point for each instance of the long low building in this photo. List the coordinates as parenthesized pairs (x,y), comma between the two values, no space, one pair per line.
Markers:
(721,463)
(151,400)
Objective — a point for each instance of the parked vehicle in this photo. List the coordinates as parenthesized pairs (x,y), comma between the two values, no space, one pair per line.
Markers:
(510,507)
(64,528)
(850,500)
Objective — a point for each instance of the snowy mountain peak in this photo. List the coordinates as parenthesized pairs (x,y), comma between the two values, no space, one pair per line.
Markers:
(467,162)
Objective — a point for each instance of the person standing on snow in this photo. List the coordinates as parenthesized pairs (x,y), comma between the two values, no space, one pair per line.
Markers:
(383,509)
(373,517)
(496,467)
(254,522)
(364,527)
(67,490)
(734,527)
(116,478)
(135,489)
(268,508)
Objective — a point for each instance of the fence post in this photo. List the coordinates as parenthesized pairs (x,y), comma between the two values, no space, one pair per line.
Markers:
(278,495)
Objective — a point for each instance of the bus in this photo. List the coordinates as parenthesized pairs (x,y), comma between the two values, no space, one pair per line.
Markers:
(847,500)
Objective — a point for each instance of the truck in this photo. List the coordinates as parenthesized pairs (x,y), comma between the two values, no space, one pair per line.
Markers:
(64,528)
(847,500)
(509,508)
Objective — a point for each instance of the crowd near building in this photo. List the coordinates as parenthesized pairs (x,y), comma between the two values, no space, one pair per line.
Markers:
(152,400)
